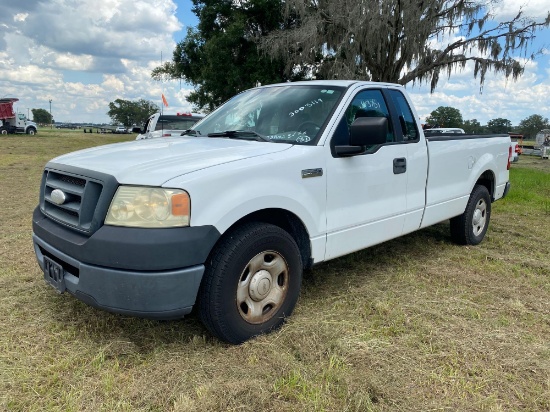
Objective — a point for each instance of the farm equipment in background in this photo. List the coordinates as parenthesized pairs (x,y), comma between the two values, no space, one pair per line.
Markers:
(11,122)
(543,143)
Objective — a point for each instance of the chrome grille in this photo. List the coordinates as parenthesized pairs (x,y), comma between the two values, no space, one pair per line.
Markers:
(81,198)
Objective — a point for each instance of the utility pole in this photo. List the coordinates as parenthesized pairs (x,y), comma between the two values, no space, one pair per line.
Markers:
(28,113)
(51,118)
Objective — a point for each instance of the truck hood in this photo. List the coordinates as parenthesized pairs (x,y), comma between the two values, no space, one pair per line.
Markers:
(152,162)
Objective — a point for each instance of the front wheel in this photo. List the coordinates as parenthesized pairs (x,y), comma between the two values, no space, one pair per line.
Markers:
(251,283)
(470,227)
(31,131)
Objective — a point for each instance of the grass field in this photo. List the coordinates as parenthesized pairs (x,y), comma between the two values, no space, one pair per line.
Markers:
(417,323)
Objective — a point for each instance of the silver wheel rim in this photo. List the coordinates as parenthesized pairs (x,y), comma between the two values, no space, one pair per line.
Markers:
(480,217)
(31,132)
(4,131)
(262,287)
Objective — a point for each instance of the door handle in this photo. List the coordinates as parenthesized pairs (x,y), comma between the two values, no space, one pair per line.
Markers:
(399,165)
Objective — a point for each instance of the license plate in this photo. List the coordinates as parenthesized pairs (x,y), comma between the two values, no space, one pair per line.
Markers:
(53,273)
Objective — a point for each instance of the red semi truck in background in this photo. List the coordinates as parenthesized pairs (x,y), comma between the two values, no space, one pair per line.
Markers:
(11,122)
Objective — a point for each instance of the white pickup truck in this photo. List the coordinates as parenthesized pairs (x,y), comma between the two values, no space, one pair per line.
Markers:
(276,180)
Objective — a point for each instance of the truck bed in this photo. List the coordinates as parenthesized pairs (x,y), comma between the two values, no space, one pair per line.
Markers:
(455,163)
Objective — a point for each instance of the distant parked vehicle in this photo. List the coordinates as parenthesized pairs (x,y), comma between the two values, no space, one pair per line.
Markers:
(443,130)
(516,151)
(165,125)
(121,129)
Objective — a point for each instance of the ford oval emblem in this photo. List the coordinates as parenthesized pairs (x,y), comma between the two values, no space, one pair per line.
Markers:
(58,196)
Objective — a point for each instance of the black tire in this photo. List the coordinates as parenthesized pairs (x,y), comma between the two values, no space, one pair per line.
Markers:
(3,131)
(251,283)
(31,131)
(470,227)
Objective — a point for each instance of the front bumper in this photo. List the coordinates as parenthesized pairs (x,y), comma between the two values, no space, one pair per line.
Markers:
(139,272)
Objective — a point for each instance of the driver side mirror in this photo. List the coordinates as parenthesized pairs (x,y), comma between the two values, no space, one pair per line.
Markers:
(369,131)
(364,132)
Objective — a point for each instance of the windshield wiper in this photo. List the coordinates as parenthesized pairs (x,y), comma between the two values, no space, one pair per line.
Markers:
(240,134)
(190,132)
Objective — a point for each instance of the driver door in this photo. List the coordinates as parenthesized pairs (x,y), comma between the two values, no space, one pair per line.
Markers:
(366,194)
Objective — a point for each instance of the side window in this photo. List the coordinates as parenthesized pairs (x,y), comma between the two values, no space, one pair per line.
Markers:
(406,118)
(368,103)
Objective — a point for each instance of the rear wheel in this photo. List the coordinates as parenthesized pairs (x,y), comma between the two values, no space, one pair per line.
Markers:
(251,283)
(3,131)
(470,227)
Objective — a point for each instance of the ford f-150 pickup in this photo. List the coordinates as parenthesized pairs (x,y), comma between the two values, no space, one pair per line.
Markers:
(226,217)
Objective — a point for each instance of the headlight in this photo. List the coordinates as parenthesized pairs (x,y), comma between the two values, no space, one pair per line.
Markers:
(152,207)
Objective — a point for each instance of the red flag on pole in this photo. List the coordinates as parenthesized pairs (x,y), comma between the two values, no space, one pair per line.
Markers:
(164,101)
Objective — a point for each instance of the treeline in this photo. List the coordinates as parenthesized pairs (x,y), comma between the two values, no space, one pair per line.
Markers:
(446,116)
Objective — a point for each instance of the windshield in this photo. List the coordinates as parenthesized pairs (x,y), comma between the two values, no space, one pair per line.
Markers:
(289,113)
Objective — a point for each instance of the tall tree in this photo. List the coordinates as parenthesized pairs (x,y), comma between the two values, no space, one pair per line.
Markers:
(445,116)
(473,126)
(499,125)
(533,124)
(400,41)
(41,116)
(220,57)
(128,113)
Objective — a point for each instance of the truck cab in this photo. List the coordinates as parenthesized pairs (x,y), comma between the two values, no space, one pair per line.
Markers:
(11,122)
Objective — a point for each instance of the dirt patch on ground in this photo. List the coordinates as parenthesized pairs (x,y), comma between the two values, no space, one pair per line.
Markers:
(533,162)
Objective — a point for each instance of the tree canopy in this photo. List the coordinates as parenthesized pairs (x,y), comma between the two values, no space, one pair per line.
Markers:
(473,126)
(239,43)
(399,41)
(220,57)
(41,116)
(499,125)
(128,113)
(533,124)
(445,116)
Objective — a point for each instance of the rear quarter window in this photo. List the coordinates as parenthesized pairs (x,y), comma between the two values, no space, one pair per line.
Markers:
(406,118)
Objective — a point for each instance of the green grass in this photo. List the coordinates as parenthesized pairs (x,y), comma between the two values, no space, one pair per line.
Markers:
(417,323)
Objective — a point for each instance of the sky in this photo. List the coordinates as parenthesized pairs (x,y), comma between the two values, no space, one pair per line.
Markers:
(83,54)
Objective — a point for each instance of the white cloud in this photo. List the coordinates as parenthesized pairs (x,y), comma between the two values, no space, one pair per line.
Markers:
(20,16)
(512,100)
(69,61)
(507,9)
(113,83)
(31,74)
(112,28)
(84,54)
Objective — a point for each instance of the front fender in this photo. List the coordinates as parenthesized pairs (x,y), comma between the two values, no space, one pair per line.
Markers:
(226,193)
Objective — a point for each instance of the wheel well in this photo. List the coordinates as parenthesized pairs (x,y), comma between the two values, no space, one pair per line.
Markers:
(286,221)
(487,179)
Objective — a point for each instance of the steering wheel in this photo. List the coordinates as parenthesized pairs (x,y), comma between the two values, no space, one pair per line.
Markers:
(308,127)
